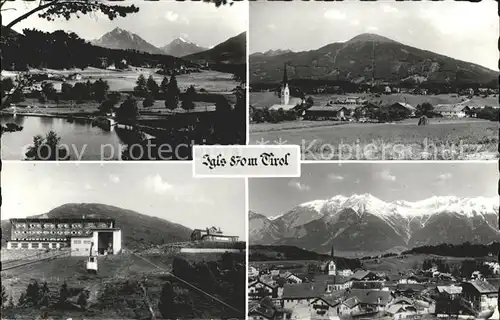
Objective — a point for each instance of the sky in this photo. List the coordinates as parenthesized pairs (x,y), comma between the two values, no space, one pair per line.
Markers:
(157,22)
(156,189)
(386,181)
(458,29)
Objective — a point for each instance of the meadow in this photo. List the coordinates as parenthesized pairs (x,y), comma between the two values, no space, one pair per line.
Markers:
(442,139)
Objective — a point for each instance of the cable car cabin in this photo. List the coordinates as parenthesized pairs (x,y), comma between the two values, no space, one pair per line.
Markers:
(92,265)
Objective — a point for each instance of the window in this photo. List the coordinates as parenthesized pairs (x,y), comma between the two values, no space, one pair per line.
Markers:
(54,245)
(14,245)
(76,249)
(77,241)
(24,245)
(45,245)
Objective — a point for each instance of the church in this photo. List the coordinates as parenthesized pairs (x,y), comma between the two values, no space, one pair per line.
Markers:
(287,102)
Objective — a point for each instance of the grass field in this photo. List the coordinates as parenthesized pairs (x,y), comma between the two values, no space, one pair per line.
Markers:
(442,139)
(211,81)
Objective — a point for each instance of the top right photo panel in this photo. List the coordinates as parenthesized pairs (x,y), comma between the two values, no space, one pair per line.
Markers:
(356,80)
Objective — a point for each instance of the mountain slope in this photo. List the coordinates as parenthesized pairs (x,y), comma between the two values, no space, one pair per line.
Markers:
(231,51)
(352,61)
(125,40)
(180,47)
(138,230)
(365,223)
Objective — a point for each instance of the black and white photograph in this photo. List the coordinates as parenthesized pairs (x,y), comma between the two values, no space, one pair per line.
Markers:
(134,80)
(375,80)
(375,241)
(121,241)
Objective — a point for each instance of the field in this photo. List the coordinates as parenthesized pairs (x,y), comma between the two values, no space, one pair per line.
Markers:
(113,291)
(442,139)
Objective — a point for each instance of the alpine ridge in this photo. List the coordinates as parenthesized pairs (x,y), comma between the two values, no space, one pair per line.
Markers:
(364,222)
(352,60)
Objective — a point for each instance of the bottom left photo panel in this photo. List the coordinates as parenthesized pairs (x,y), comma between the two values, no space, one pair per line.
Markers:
(121,241)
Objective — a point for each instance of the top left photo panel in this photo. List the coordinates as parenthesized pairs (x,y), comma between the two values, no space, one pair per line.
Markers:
(127,80)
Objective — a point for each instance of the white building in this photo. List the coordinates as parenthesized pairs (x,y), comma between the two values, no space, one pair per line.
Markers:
(105,241)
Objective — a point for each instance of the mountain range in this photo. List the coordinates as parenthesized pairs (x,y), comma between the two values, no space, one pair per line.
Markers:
(139,231)
(366,223)
(231,51)
(364,57)
(179,47)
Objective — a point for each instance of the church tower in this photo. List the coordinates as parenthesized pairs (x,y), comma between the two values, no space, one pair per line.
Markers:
(332,267)
(285,91)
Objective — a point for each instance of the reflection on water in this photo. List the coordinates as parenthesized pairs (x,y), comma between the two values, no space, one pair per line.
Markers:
(84,141)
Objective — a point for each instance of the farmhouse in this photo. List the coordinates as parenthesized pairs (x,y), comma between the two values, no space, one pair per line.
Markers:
(480,293)
(402,106)
(326,112)
(301,294)
(211,234)
(333,282)
(259,289)
(287,102)
(371,300)
(260,310)
(401,311)
(326,306)
(453,111)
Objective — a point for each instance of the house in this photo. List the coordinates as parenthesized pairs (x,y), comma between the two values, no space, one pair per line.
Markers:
(301,294)
(413,279)
(371,300)
(480,293)
(333,282)
(345,272)
(401,311)
(452,111)
(325,307)
(259,289)
(261,310)
(368,285)
(293,278)
(364,275)
(409,290)
(403,106)
(450,291)
(252,272)
(326,112)
(350,307)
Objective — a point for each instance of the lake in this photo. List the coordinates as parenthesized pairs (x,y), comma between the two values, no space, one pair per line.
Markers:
(84,141)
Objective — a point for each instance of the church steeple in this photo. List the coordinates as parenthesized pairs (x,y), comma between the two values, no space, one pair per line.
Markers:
(285,91)
(285,77)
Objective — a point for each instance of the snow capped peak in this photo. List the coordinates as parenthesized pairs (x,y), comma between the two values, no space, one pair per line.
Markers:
(182,39)
(275,217)
(118,30)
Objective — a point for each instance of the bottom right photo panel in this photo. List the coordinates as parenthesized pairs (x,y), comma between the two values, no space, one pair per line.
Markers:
(375,241)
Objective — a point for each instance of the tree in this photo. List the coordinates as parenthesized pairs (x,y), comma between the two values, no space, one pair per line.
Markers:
(148,101)
(47,148)
(51,9)
(425,109)
(358,113)
(100,90)
(106,106)
(49,91)
(63,294)
(82,300)
(166,303)
(141,86)
(33,293)
(152,86)
(172,94)
(44,295)
(22,300)
(4,296)
(164,85)
(66,91)
(188,101)
(128,110)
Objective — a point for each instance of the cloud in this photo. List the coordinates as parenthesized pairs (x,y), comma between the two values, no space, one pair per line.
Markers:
(184,20)
(171,16)
(389,9)
(371,28)
(298,185)
(114,178)
(355,22)
(334,15)
(271,26)
(333,176)
(386,175)
(157,185)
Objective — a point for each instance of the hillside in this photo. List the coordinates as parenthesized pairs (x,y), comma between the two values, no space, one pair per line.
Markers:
(231,51)
(139,231)
(180,47)
(352,61)
(125,40)
(368,224)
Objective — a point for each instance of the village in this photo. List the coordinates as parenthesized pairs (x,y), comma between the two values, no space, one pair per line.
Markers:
(326,291)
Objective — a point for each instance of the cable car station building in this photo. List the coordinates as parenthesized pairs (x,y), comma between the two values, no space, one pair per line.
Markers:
(78,234)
